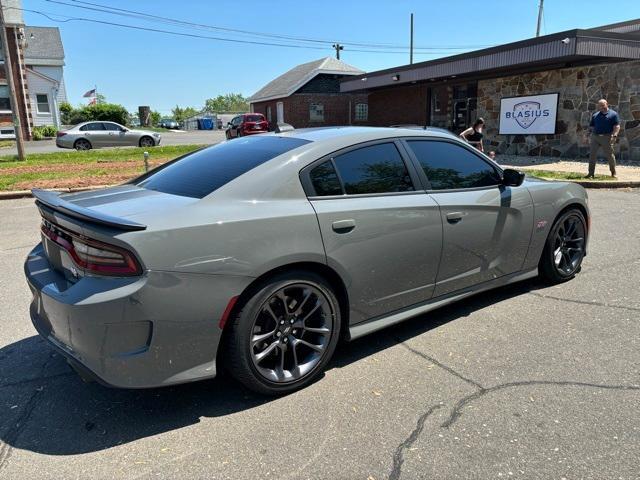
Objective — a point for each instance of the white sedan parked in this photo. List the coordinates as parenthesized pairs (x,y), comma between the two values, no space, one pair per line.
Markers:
(88,135)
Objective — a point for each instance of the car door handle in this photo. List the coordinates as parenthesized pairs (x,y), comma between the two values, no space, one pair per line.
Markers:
(454,217)
(343,226)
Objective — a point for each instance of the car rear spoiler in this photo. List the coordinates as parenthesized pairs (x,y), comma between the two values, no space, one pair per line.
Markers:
(53,201)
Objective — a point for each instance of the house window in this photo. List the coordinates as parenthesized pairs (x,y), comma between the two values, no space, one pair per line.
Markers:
(316,112)
(362,112)
(42,101)
(5,104)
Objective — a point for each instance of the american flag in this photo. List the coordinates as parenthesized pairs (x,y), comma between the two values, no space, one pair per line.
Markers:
(90,93)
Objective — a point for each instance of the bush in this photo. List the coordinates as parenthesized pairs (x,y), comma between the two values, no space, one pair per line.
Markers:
(44,131)
(103,111)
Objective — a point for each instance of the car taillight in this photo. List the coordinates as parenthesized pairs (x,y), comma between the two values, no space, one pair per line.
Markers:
(94,256)
(61,134)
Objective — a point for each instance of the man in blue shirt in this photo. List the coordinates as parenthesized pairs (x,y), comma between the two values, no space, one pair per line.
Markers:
(604,128)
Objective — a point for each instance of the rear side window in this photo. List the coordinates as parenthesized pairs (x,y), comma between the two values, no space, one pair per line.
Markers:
(325,180)
(200,173)
(450,166)
(92,127)
(374,169)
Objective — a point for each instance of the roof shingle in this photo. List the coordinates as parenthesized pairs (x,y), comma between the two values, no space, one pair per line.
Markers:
(46,43)
(287,83)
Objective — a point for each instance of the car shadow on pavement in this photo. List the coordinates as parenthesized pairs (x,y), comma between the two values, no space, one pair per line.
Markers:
(46,407)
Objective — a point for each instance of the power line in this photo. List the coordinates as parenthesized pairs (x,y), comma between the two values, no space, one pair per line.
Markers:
(150,17)
(50,15)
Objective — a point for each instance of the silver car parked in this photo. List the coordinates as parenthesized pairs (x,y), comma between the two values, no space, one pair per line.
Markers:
(88,135)
(259,254)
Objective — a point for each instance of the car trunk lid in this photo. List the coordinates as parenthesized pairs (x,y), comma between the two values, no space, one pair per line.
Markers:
(85,225)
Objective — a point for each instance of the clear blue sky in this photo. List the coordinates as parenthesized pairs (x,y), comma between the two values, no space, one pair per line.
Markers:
(134,67)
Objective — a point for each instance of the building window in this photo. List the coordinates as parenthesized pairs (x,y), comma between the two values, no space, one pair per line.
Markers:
(362,112)
(42,101)
(316,112)
(5,104)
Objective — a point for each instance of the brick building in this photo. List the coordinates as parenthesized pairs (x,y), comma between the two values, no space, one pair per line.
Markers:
(309,96)
(560,75)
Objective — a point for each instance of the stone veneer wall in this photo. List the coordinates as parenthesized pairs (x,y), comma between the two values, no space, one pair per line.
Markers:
(580,88)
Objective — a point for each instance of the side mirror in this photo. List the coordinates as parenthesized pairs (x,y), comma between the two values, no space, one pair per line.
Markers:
(512,178)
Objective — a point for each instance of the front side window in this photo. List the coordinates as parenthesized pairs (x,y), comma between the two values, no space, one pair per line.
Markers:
(43,103)
(450,166)
(111,127)
(5,104)
(316,112)
(199,173)
(374,169)
(362,112)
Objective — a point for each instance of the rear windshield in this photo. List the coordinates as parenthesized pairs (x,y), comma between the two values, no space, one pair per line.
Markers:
(200,173)
(253,118)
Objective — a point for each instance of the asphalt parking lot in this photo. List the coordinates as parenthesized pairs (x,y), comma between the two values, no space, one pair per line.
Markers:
(527,381)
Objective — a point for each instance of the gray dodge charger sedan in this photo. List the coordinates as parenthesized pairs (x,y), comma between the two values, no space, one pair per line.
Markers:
(259,254)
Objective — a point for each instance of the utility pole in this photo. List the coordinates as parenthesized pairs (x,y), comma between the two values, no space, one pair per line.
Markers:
(12,87)
(338,47)
(411,42)
(540,9)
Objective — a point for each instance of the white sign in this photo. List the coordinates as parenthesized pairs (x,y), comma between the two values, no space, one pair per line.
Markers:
(535,114)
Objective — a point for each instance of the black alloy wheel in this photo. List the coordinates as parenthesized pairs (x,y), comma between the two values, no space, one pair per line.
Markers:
(285,334)
(565,247)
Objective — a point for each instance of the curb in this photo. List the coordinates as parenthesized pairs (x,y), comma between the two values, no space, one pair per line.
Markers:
(604,184)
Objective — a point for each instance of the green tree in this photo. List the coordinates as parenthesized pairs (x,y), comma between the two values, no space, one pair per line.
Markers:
(65,111)
(102,111)
(231,102)
(179,114)
(155,118)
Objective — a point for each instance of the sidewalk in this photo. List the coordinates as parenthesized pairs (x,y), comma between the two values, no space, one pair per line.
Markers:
(625,173)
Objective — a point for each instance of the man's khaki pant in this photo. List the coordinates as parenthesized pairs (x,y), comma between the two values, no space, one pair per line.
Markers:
(606,143)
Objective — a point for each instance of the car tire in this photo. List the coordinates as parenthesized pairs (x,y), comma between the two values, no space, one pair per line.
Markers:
(564,249)
(276,327)
(147,142)
(227,135)
(82,144)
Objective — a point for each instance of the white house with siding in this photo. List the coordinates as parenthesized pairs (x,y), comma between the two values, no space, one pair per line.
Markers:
(44,62)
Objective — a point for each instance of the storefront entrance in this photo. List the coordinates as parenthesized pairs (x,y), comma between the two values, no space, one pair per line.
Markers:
(453,107)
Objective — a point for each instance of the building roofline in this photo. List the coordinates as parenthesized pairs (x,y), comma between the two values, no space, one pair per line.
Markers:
(319,70)
(43,76)
(300,84)
(618,24)
(571,51)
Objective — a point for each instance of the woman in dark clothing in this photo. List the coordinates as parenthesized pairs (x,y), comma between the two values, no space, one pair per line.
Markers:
(473,134)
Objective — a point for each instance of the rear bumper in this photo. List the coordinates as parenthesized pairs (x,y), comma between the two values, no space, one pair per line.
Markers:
(62,143)
(253,132)
(155,330)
